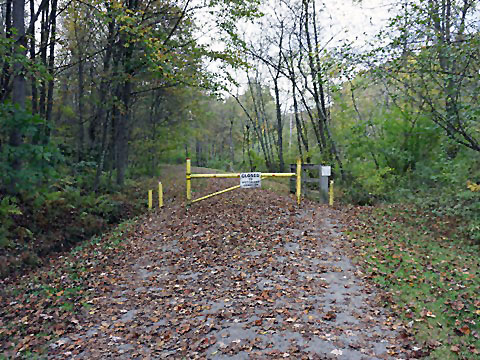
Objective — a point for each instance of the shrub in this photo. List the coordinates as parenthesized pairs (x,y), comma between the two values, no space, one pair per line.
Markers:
(8,208)
(39,156)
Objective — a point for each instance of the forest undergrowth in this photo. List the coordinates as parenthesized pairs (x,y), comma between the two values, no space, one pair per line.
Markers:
(52,220)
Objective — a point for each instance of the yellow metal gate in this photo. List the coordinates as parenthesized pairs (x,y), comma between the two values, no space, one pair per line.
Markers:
(190,176)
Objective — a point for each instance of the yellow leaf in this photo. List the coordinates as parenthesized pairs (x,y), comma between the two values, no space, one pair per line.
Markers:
(473,186)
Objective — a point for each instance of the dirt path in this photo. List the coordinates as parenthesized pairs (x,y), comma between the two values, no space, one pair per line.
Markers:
(246,275)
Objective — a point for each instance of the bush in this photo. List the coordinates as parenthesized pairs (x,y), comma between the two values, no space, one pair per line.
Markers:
(39,157)
(8,208)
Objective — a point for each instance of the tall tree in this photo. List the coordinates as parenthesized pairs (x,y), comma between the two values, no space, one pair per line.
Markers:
(19,82)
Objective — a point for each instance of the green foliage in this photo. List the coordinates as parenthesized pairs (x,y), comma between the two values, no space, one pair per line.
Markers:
(441,187)
(366,184)
(395,152)
(59,215)
(8,208)
(39,157)
(381,142)
(407,126)
(258,161)
(432,60)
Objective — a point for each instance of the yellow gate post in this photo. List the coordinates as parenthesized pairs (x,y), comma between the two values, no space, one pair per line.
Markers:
(189,179)
(299,180)
(150,199)
(160,195)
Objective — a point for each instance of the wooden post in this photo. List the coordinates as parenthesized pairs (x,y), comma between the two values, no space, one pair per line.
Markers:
(189,185)
(323,188)
(319,168)
(160,195)
(150,199)
(299,180)
(292,180)
(330,202)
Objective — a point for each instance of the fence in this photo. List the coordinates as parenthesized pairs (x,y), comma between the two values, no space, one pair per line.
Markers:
(320,188)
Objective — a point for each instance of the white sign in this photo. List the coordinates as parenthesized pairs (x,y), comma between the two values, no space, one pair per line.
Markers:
(326,170)
(250,180)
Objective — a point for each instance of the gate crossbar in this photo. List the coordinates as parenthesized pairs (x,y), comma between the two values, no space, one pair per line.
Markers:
(216,193)
(237,175)
(190,176)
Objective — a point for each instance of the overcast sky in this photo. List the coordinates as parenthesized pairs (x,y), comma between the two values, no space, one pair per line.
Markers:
(356,21)
(353,19)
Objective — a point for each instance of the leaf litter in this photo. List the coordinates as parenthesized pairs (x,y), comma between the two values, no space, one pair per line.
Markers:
(248,275)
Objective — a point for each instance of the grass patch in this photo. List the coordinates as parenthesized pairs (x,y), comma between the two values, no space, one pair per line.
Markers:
(278,185)
(430,276)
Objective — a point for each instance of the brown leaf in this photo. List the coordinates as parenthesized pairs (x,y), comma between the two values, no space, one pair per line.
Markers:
(455,348)
(458,305)
(465,330)
(330,316)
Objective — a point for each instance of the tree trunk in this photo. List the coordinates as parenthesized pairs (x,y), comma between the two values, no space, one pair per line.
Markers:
(18,95)
(314,76)
(279,124)
(81,130)
(101,115)
(51,63)
(103,152)
(19,86)
(230,142)
(32,58)
(5,80)
(258,131)
(301,138)
(121,132)
(43,57)
(265,124)
(248,150)
(92,124)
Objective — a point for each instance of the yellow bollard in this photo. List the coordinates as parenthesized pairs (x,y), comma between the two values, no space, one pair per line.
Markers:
(299,180)
(331,193)
(150,199)
(160,195)
(189,185)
